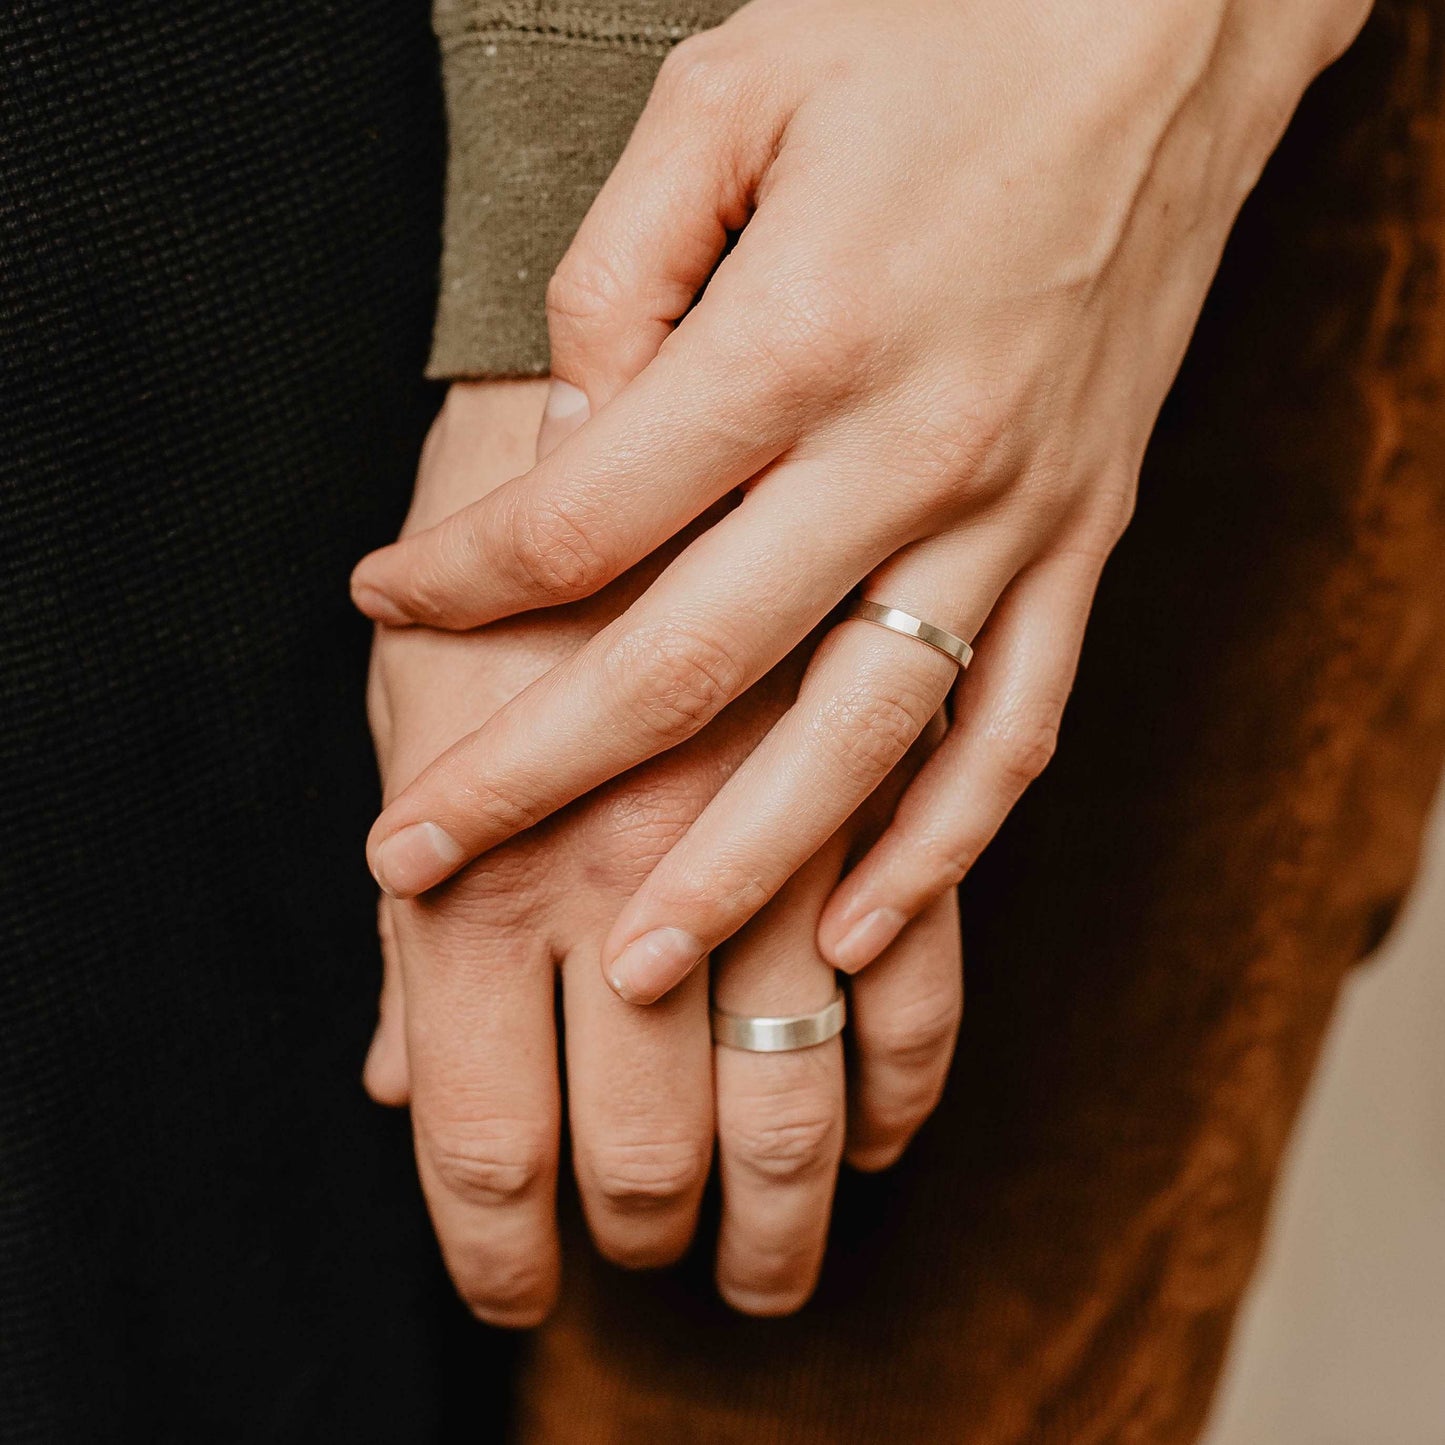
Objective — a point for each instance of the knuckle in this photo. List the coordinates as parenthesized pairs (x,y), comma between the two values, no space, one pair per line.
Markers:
(553,550)
(699,75)
(787,1140)
(915,1033)
(822,337)
(821,344)
(504,892)
(442,568)
(721,890)
(951,438)
(510,1288)
(946,861)
(782,1272)
(872,729)
(1093,501)
(1025,747)
(892,1121)
(493,806)
(491,1166)
(1117,491)
(584,290)
(659,1174)
(675,678)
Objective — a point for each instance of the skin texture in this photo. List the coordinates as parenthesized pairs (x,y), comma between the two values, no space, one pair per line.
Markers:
(974,241)
(467,1034)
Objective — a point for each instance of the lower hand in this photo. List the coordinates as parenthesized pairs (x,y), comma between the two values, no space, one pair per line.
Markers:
(467,1033)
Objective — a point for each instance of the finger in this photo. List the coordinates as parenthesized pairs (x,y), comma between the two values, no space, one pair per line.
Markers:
(903,1021)
(866,698)
(384,1074)
(1005,724)
(780,1115)
(640,1107)
(737,384)
(640,1101)
(485,1100)
(644,684)
(654,232)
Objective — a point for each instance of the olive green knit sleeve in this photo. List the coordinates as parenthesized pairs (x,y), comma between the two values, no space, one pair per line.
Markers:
(540,101)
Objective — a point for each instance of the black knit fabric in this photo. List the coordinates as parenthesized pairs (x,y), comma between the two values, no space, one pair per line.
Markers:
(218,225)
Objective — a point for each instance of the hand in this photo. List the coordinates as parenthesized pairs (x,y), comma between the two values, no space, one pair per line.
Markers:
(467,1030)
(974,242)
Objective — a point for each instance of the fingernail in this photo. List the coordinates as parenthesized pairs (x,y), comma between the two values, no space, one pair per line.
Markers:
(416,858)
(868,938)
(567,408)
(650,965)
(377,605)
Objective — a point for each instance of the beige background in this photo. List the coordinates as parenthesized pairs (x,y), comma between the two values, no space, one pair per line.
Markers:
(1342,1341)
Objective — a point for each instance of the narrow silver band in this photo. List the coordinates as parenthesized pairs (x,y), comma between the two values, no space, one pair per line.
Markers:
(778,1035)
(947,643)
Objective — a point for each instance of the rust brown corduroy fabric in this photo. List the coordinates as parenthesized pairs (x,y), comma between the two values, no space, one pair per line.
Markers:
(1157,938)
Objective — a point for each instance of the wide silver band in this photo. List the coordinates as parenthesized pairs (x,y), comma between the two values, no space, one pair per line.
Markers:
(947,643)
(778,1035)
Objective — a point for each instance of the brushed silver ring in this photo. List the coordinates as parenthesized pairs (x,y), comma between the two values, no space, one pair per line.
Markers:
(940,639)
(763,1035)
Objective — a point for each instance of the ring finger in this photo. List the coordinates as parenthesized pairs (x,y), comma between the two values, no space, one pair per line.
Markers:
(780,1115)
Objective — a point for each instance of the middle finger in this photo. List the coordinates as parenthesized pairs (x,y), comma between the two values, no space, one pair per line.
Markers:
(640,1101)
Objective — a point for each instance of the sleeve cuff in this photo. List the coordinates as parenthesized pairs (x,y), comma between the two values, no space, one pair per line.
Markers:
(540,101)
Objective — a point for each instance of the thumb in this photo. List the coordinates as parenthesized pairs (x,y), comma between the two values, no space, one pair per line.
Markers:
(567,408)
(655,232)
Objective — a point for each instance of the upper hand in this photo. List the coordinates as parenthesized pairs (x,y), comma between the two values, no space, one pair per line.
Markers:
(974,239)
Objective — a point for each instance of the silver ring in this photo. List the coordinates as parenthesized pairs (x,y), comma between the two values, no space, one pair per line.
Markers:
(950,645)
(779,1035)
